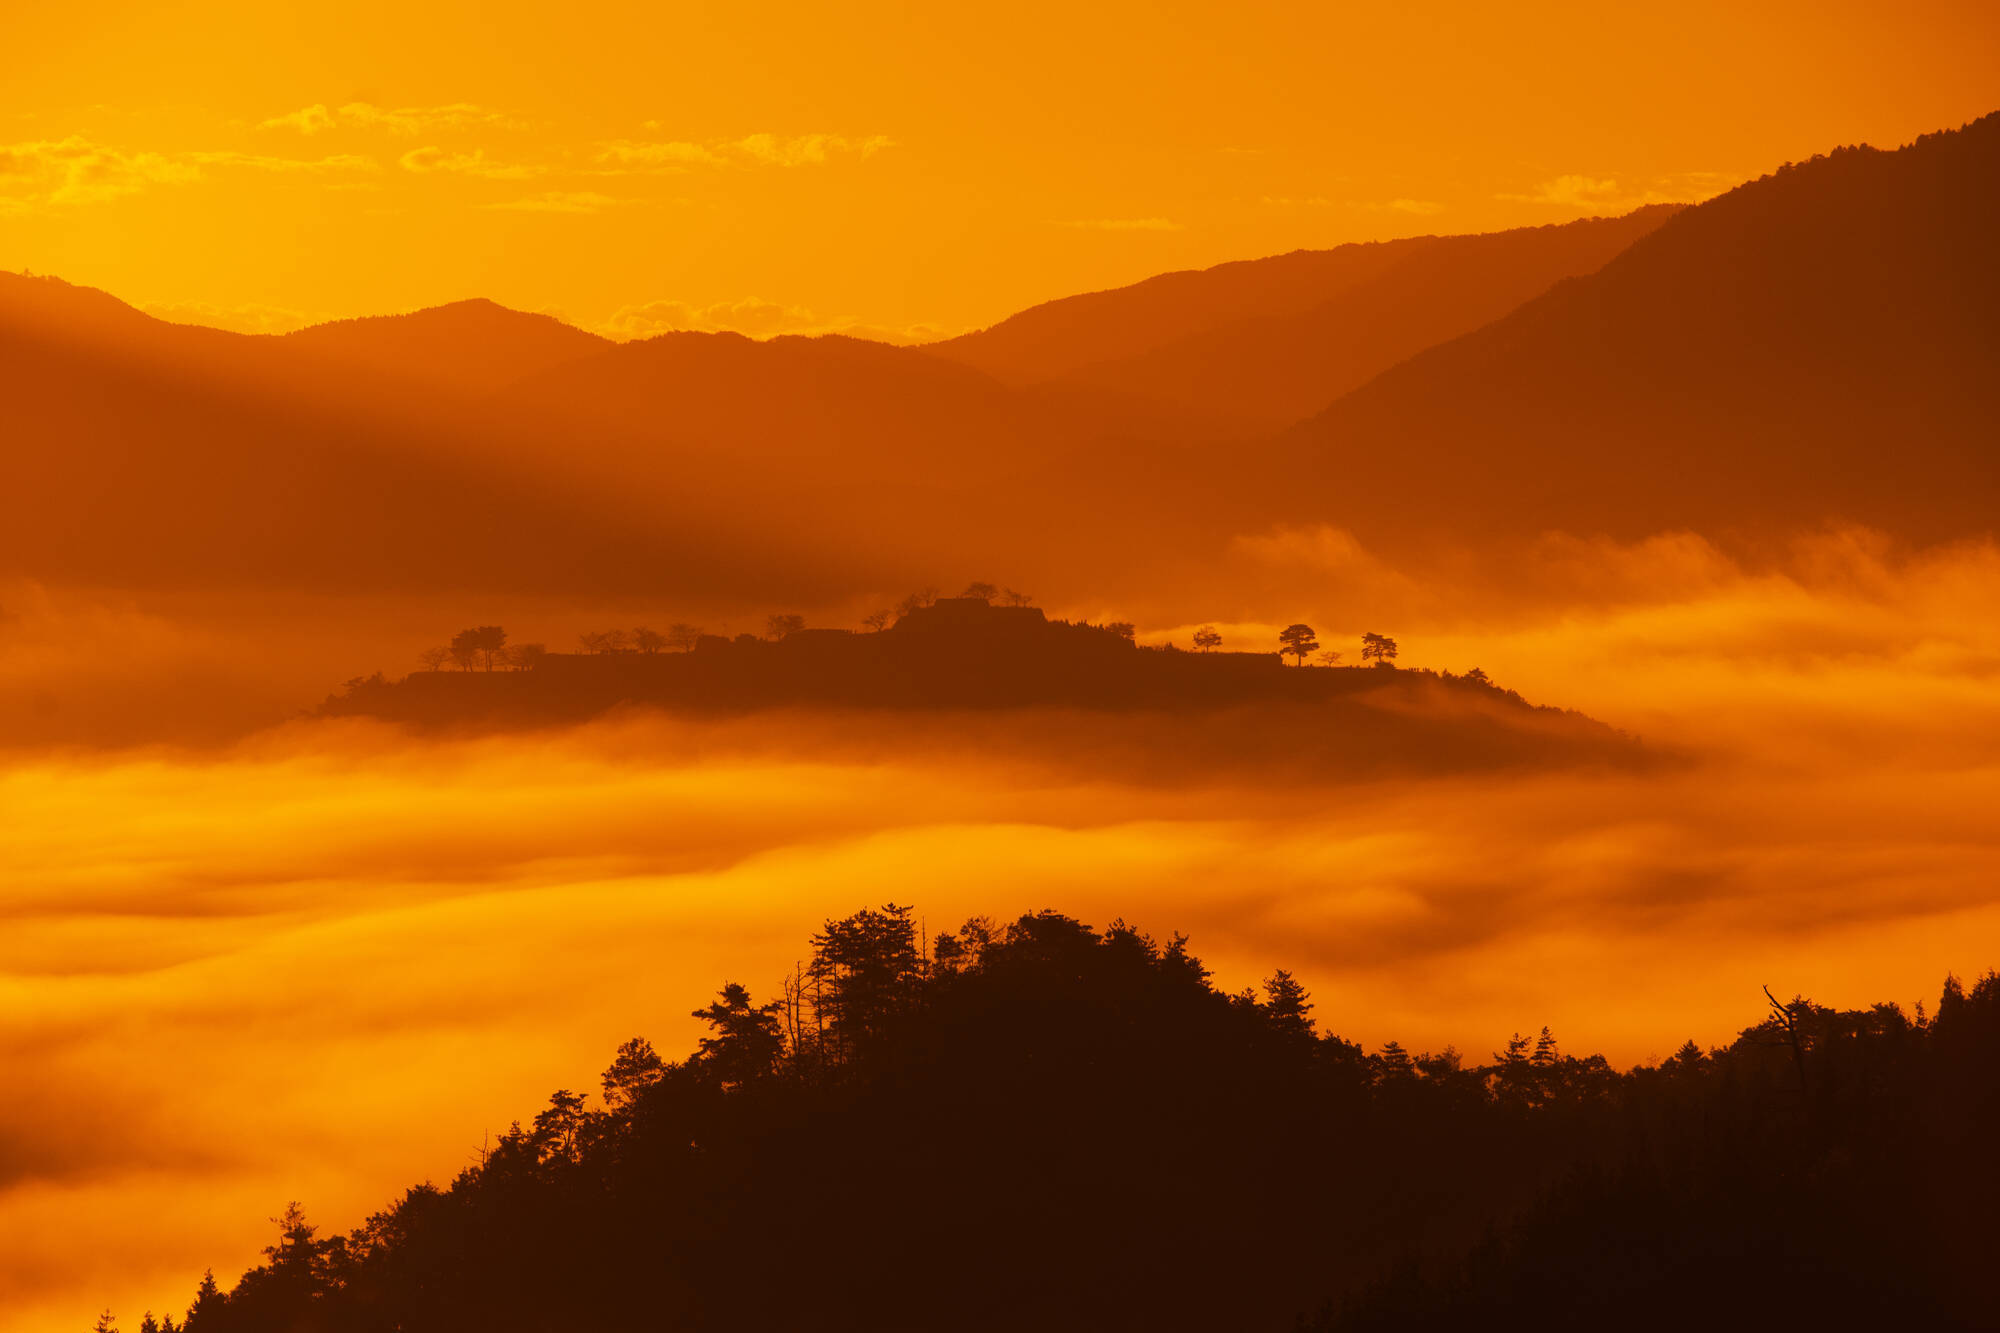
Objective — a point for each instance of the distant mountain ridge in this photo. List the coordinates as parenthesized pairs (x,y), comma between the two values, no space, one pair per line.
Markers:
(1817,344)
(160,454)
(474,346)
(1263,343)
(354,452)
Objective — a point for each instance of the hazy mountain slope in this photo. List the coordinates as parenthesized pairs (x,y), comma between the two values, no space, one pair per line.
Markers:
(1326,318)
(1817,344)
(468,346)
(143,453)
(154,454)
(858,445)
(1068,334)
(802,400)
(47,310)
(1269,371)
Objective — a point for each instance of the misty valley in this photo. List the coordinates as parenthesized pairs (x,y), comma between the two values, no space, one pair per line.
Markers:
(1487,819)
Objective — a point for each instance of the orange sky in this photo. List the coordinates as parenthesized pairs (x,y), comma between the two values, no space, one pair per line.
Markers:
(775,166)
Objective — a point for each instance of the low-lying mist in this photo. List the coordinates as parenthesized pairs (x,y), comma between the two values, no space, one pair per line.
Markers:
(322,959)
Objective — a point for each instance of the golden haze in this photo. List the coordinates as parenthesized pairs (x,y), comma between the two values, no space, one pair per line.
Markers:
(250,956)
(324,960)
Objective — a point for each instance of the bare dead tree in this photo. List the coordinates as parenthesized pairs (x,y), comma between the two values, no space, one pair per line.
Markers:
(1788,1020)
(793,990)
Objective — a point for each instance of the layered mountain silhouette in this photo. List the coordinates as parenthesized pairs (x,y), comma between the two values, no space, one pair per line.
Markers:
(1260,344)
(1818,344)
(369,453)
(1814,345)
(156,454)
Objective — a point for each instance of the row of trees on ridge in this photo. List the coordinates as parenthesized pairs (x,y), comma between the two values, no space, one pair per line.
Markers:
(485,647)
(1042,1124)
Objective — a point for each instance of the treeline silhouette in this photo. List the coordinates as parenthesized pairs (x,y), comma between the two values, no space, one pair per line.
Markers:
(1044,1125)
(985,648)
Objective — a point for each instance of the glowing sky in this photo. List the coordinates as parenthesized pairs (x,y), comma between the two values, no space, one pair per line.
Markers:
(883,166)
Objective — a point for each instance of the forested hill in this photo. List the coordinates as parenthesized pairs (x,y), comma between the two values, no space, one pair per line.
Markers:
(1042,1125)
(966,654)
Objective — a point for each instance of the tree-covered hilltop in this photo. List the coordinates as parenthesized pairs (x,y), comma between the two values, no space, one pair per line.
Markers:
(984,649)
(988,652)
(1044,1125)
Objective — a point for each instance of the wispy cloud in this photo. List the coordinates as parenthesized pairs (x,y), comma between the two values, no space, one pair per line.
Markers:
(753,317)
(77,170)
(617,156)
(319,118)
(1573,192)
(247,318)
(433,160)
(808,149)
(667,155)
(1608,193)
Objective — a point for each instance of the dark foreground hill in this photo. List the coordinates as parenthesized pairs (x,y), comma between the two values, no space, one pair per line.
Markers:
(1044,1126)
(968,655)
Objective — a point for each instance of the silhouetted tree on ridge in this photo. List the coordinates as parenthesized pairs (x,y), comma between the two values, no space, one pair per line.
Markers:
(1299,641)
(747,1041)
(1379,649)
(636,1068)
(480,645)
